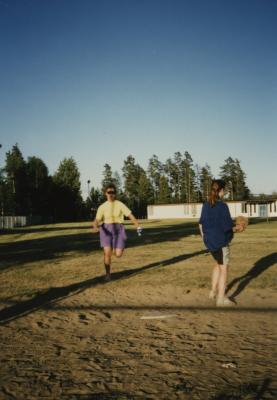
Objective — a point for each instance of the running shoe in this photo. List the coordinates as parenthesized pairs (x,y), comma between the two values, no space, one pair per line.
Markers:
(225,302)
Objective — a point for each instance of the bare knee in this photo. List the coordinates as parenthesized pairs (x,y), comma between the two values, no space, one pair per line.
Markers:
(118,253)
(223,270)
(107,254)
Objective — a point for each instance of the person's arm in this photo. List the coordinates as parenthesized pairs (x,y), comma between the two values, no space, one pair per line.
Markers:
(95,225)
(201,221)
(136,223)
(128,214)
(227,222)
(238,228)
(134,220)
(98,219)
(201,230)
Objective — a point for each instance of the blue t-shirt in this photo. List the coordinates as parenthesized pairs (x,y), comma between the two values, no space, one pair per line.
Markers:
(217,225)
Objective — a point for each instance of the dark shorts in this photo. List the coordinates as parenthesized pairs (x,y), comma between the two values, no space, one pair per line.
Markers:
(113,235)
(222,256)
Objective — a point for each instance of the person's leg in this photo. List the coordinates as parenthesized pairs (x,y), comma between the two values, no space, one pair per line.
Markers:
(119,240)
(222,282)
(218,257)
(106,244)
(107,261)
(222,300)
(215,280)
(118,252)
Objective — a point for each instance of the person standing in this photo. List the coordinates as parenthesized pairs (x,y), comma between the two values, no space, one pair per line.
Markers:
(217,229)
(109,221)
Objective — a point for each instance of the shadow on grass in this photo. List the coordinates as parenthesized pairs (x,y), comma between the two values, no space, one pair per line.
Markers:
(259,267)
(261,220)
(41,228)
(53,295)
(54,247)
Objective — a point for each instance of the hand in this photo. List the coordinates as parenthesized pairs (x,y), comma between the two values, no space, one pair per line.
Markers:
(95,229)
(139,231)
(239,228)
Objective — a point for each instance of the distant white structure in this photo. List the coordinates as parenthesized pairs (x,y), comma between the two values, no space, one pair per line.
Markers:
(248,208)
(19,221)
(10,222)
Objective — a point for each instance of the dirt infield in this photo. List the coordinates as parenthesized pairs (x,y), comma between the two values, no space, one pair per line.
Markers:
(150,333)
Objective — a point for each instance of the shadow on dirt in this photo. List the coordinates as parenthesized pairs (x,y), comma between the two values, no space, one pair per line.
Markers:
(53,295)
(259,267)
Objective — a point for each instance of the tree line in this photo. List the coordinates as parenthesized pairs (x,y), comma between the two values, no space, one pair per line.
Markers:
(27,188)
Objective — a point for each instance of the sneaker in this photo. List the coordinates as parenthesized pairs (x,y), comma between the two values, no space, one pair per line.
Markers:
(212,295)
(225,302)
(107,278)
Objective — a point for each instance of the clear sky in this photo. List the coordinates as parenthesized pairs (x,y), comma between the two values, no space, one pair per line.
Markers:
(98,80)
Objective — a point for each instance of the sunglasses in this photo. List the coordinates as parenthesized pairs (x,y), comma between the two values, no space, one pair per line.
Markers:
(110,192)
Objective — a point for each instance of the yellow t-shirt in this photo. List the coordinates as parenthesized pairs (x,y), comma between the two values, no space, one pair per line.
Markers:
(112,212)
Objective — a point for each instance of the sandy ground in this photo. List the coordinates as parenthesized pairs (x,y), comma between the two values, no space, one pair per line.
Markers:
(150,333)
(95,345)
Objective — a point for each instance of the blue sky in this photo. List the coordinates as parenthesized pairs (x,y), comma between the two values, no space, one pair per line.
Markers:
(98,80)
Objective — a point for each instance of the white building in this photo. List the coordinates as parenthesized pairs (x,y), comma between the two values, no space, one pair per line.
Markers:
(248,208)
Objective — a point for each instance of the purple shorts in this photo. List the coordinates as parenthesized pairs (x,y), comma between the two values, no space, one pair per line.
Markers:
(113,235)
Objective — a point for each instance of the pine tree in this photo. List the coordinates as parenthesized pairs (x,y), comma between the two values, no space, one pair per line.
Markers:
(116,179)
(17,183)
(188,179)
(179,174)
(242,192)
(232,173)
(206,178)
(145,194)
(173,170)
(131,173)
(138,191)
(107,176)
(172,173)
(228,174)
(68,174)
(38,185)
(164,194)
(197,171)
(66,191)
(93,201)
(3,191)
(154,172)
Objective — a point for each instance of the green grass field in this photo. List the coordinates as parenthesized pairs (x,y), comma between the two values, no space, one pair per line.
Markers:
(34,259)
